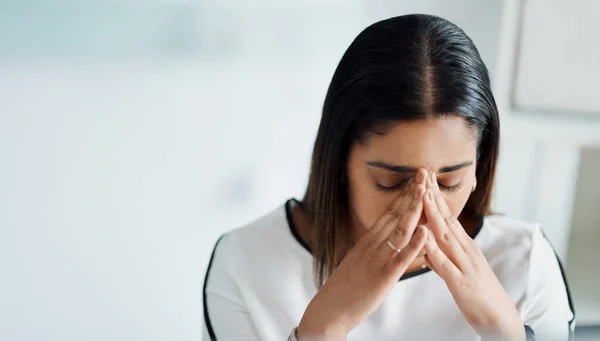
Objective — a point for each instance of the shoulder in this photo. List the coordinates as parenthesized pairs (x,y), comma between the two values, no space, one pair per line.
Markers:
(257,236)
(515,249)
(514,243)
(263,245)
(244,245)
(510,233)
(261,259)
(510,226)
(532,274)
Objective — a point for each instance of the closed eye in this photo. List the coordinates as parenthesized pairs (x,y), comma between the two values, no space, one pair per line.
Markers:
(394,188)
(450,189)
(401,184)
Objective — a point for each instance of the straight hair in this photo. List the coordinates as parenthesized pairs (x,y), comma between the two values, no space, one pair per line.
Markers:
(405,68)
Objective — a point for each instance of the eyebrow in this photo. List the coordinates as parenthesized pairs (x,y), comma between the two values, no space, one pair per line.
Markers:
(407,169)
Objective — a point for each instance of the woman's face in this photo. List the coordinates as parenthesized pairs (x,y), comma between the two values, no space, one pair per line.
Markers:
(379,169)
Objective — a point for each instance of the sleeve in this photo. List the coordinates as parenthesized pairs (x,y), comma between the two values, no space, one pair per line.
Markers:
(548,308)
(225,314)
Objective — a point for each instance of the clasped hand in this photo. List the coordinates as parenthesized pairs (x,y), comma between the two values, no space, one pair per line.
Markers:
(386,251)
(458,260)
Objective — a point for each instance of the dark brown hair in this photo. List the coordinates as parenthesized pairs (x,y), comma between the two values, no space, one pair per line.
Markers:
(410,67)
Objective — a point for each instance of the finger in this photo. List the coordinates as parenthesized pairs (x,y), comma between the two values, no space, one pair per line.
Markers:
(397,266)
(394,215)
(453,224)
(374,235)
(400,232)
(397,233)
(417,189)
(443,235)
(439,262)
(428,262)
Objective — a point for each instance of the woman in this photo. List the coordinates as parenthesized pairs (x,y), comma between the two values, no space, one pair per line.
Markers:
(400,184)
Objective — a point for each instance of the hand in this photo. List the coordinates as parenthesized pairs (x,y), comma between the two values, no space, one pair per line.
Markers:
(457,259)
(369,271)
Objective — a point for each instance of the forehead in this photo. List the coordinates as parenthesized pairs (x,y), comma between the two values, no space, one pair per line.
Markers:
(429,143)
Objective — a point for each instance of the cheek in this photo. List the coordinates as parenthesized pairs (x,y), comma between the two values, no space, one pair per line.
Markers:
(457,201)
(367,203)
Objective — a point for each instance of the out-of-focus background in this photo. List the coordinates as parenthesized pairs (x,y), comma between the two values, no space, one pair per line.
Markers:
(133,133)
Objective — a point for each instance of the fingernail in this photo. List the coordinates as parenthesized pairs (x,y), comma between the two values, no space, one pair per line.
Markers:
(433,178)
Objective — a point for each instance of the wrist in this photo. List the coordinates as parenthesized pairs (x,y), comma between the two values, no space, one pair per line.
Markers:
(506,330)
(307,331)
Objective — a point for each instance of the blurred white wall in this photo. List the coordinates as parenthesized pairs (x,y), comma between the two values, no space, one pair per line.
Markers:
(545,89)
(133,134)
(583,252)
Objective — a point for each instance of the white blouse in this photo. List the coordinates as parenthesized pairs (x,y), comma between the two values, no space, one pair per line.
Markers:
(260,280)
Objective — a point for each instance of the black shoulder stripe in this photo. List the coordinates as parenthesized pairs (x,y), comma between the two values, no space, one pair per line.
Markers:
(209,327)
(529,334)
(571,306)
(292,225)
